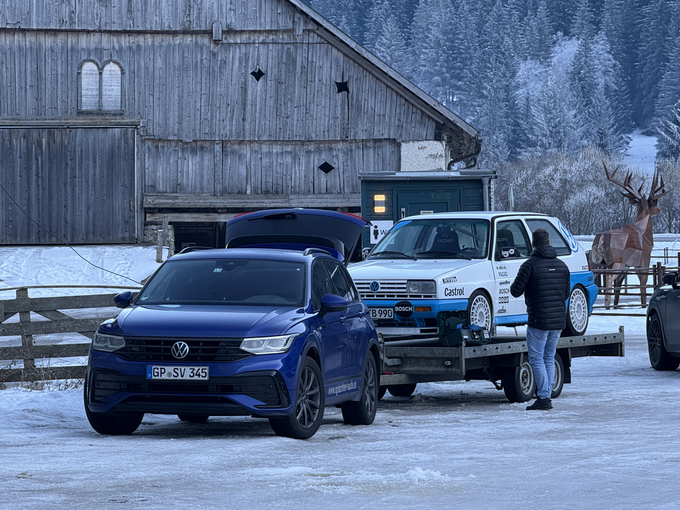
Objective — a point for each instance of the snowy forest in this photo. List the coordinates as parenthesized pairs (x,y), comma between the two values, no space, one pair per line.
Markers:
(555,87)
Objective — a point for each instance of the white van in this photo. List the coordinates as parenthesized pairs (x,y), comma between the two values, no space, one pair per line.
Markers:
(435,271)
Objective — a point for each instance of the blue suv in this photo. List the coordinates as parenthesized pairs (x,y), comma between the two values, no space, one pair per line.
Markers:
(271,327)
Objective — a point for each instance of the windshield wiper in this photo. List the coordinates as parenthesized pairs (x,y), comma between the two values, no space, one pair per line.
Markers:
(446,254)
(388,252)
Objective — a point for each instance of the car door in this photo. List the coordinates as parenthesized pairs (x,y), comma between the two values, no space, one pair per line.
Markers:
(512,247)
(333,329)
(356,318)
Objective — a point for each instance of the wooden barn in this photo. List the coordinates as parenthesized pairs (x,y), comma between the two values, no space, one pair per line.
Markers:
(115,114)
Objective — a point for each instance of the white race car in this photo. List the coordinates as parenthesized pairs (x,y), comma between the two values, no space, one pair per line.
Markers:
(432,272)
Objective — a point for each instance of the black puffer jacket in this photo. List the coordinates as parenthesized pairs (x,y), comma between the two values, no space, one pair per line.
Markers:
(544,281)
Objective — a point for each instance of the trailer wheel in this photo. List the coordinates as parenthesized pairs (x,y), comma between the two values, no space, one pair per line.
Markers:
(577,312)
(519,384)
(402,390)
(558,383)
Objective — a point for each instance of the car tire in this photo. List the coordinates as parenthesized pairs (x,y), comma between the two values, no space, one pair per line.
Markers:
(518,383)
(309,405)
(363,411)
(112,424)
(658,355)
(194,418)
(402,390)
(479,310)
(577,312)
(558,383)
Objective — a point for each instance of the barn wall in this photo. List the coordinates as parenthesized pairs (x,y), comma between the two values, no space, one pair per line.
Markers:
(76,183)
(187,88)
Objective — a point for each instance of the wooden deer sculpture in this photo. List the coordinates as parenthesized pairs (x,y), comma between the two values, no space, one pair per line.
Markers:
(630,246)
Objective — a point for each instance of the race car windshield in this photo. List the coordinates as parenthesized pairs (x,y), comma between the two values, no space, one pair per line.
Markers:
(249,282)
(435,239)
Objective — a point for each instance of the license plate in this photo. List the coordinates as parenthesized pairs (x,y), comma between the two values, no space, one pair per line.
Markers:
(177,373)
(382,313)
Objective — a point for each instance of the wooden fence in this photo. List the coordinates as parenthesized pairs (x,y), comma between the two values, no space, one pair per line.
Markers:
(78,315)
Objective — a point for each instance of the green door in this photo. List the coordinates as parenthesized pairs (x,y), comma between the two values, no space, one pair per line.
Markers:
(411,203)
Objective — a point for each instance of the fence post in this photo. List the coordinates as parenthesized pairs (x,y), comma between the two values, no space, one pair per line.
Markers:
(26,340)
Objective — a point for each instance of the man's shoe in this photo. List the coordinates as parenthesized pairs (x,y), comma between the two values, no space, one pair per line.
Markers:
(541,404)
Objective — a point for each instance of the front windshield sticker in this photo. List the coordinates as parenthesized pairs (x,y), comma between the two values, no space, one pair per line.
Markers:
(573,244)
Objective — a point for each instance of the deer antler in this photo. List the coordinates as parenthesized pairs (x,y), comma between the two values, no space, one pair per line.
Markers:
(657,187)
(633,195)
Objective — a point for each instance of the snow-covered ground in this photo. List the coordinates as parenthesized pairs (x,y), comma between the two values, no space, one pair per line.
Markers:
(641,152)
(610,442)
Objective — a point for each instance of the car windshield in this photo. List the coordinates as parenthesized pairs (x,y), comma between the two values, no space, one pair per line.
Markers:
(436,239)
(249,282)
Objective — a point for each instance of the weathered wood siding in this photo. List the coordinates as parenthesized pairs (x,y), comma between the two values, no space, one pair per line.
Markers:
(269,168)
(187,88)
(76,183)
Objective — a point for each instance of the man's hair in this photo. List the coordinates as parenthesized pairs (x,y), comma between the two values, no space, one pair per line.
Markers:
(540,237)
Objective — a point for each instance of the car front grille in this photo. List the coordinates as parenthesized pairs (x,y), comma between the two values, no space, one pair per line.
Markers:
(269,388)
(201,350)
(389,289)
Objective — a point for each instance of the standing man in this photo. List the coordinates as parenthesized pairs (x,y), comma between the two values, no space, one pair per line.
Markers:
(544,281)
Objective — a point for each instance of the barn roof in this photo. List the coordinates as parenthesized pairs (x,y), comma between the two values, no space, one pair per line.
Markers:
(464,138)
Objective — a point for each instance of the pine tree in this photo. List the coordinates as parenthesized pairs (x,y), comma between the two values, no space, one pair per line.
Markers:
(669,84)
(668,144)
(390,46)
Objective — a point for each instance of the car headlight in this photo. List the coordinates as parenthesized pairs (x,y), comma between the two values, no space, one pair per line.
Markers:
(421,287)
(268,344)
(107,343)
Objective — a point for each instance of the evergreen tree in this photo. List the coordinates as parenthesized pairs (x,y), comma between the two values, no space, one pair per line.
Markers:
(668,144)
(538,33)
(390,46)
(653,35)
(669,84)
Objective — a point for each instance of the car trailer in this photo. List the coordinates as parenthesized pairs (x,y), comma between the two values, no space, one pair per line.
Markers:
(502,360)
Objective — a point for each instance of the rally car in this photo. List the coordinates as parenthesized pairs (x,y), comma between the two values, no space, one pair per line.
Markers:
(434,272)
(271,327)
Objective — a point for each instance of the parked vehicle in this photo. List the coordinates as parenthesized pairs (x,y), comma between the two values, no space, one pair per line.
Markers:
(273,328)
(663,324)
(433,272)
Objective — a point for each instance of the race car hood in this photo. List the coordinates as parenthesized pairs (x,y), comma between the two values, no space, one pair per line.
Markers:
(297,229)
(422,269)
(191,321)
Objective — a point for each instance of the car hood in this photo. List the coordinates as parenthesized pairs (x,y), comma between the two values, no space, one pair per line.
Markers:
(403,269)
(335,232)
(194,321)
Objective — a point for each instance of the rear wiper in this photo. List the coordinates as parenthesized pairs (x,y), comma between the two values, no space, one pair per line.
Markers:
(446,254)
(397,253)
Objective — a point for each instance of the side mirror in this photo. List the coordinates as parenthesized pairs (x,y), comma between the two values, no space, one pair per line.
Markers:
(333,303)
(670,279)
(123,299)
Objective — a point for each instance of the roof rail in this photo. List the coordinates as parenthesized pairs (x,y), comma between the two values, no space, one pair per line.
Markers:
(309,251)
(195,248)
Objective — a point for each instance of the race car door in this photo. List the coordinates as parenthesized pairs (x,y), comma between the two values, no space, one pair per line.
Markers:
(512,248)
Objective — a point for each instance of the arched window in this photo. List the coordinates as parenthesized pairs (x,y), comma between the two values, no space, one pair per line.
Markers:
(89,86)
(111,87)
(100,91)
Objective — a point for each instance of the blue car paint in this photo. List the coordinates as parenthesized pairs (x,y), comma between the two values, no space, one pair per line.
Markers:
(223,321)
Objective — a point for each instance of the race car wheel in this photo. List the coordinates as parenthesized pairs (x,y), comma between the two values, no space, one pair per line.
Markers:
(402,390)
(658,355)
(309,405)
(577,312)
(519,384)
(363,411)
(194,418)
(479,310)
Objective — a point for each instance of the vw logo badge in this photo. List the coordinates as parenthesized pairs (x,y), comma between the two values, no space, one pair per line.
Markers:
(180,350)
(375,287)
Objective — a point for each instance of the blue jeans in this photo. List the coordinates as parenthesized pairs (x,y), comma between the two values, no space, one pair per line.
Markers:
(542,345)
